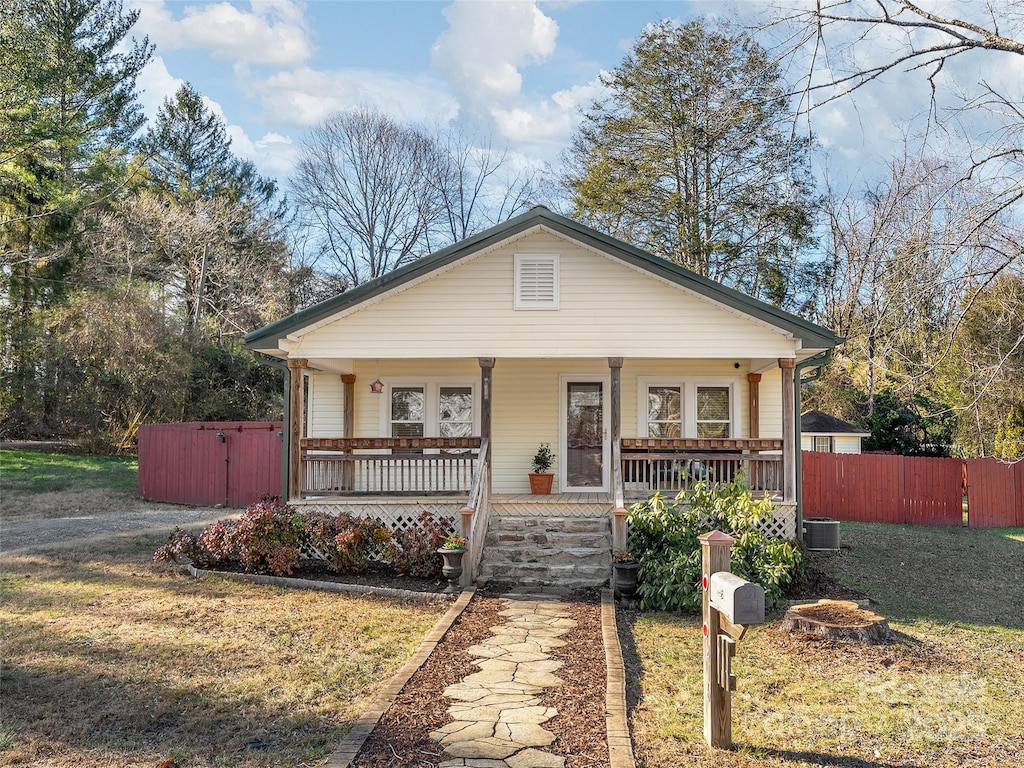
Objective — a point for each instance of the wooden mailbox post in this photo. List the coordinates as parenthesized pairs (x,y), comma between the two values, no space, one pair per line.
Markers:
(730,604)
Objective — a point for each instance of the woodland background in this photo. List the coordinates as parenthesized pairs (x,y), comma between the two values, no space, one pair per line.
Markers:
(135,253)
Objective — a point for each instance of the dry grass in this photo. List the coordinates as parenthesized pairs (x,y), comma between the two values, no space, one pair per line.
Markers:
(109,659)
(945,693)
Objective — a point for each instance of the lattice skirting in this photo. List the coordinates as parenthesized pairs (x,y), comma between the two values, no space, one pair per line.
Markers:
(783,524)
(397,516)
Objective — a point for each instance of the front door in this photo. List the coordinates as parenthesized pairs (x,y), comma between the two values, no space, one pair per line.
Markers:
(584,438)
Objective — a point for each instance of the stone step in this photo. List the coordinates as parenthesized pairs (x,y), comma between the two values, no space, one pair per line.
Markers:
(558,539)
(515,523)
(538,574)
(535,554)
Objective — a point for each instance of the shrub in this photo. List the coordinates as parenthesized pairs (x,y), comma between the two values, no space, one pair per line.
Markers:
(181,545)
(267,537)
(415,550)
(347,542)
(663,538)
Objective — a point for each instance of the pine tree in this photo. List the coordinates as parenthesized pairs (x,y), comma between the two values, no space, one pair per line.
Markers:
(691,157)
(68,114)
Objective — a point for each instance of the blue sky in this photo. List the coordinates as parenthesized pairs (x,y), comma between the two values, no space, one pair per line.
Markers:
(519,71)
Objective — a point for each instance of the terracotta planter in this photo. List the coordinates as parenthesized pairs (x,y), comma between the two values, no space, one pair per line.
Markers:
(626,581)
(452,568)
(540,484)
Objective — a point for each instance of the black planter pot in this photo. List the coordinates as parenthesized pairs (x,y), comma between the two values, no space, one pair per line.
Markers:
(452,568)
(626,581)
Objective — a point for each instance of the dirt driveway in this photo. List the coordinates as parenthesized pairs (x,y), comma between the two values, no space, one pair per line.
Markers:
(76,517)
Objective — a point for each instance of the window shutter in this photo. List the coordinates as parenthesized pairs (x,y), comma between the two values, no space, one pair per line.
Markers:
(536,282)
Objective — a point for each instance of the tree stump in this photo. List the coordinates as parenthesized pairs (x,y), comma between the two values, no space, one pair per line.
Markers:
(837,620)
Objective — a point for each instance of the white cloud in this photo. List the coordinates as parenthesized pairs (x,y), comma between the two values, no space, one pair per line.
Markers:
(304,97)
(156,84)
(273,33)
(273,155)
(485,46)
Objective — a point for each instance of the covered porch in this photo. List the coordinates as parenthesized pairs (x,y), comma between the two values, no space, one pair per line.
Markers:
(602,470)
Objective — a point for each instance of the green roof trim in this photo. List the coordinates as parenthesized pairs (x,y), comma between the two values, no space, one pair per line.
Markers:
(813,336)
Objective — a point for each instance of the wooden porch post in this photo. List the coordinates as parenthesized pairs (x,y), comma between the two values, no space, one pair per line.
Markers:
(348,428)
(619,533)
(789,444)
(486,376)
(754,404)
(297,379)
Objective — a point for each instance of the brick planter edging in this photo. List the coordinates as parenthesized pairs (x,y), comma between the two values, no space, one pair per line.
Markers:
(353,741)
(620,745)
(320,586)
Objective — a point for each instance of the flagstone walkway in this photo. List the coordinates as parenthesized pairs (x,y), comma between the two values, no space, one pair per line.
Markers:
(499,716)
(498,713)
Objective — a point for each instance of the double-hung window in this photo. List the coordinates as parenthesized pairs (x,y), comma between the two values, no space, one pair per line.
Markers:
(437,408)
(687,408)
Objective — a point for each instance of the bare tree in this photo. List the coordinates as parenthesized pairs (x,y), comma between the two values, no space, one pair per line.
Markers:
(911,260)
(850,46)
(481,186)
(367,186)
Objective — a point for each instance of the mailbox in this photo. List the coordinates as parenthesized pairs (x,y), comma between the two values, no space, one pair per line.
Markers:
(739,600)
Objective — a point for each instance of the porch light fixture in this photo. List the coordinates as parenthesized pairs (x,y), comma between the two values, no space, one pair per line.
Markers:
(220,436)
(377,387)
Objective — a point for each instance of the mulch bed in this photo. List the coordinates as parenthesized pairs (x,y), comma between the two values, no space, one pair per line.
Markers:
(402,740)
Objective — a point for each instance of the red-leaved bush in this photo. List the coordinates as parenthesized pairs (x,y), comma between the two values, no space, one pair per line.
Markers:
(269,537)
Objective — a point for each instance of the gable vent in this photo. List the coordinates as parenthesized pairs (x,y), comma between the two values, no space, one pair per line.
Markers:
(536,281)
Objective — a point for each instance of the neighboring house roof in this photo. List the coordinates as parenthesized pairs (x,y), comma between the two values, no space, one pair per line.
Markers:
(811,336)
(818,423)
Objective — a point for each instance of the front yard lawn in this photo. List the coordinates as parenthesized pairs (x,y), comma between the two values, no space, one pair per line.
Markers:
(946,693)
(110,659)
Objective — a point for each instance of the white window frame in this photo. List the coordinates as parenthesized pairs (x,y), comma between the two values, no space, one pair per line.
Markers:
(527,304)
(431,401)
(830,447)
(688,390)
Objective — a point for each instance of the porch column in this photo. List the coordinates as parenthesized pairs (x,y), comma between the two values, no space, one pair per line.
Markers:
(348,428)
(486,371)
(619,510)
(297,387)
(789,445)
(754,404)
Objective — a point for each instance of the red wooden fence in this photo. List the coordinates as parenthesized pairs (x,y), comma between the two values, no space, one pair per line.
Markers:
(879,488)
(189,464)
(882,489)
(995,493)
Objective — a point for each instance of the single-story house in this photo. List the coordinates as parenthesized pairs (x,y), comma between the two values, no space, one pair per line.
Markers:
(827,434)
(431,388)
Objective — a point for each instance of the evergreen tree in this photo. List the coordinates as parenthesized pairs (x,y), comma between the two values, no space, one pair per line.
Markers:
(691,157)
(68,113)
(1010,435)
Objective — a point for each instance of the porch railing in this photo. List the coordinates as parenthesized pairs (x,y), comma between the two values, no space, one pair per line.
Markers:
(475,515)
(336,466)
(674,465)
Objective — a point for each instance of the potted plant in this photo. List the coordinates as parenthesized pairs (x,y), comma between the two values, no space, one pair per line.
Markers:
(540,478)
(452,548)
(625,582)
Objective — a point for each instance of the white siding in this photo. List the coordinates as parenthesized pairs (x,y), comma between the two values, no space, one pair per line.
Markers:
(770,411)
(326,405)
(846,443)
(806,443)
(606,309)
